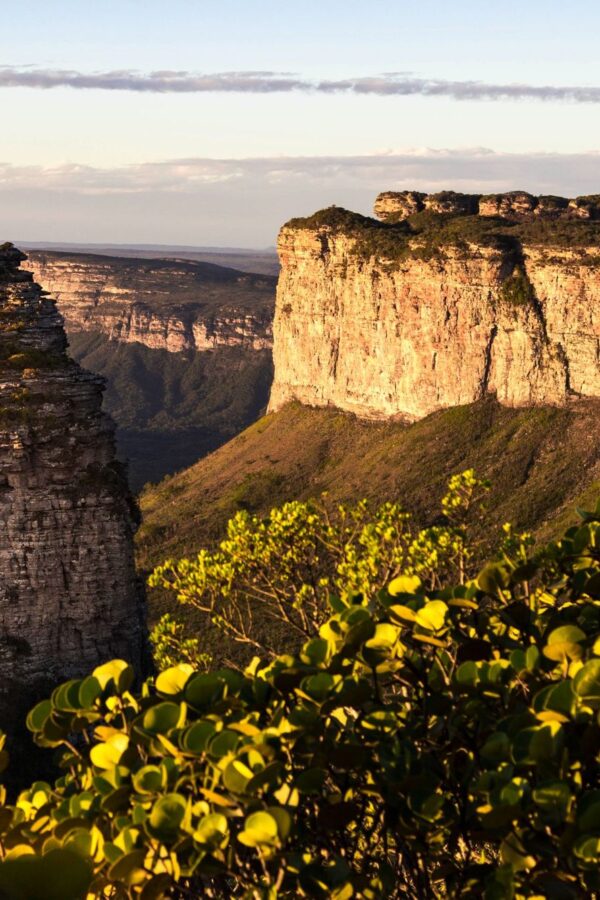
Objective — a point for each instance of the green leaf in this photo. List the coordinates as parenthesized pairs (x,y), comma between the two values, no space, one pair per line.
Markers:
(148,780)
(172,681)
(202,691)
(404,584)
(588,848)
(38,715)
(223,743)
(586,683)
(89,691)
(261,829)
(403,613)
(493,579)
(127,867)
(236,776)
(166,817)
(160,719)
(196,738)
(588,811)
(315,652)
(212,831)
(318,686)
(432,616)
(538,744)
(108,754)
(116,673)
(563,643)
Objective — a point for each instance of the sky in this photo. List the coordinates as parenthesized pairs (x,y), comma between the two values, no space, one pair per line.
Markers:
(195,122)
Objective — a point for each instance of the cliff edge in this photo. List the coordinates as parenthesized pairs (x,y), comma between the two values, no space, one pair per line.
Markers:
(69,596)
(439,307)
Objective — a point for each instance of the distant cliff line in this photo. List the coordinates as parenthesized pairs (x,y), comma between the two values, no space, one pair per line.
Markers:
(174,305)
(450,298)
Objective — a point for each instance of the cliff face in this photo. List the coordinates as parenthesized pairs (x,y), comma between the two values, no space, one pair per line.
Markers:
(163,304)
(374,319)
(69,597)
(185,347)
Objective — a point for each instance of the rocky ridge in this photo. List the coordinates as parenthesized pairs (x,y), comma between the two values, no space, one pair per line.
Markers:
(441,309)
(162,304)
(69,595)
(400,205)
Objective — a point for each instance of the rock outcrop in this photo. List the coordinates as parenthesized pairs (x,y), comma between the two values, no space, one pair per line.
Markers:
(69,595)
(385,322)
(514,205)
(399,204)
(163,304)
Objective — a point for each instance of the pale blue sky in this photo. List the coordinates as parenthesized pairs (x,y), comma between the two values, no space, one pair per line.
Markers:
(82,164)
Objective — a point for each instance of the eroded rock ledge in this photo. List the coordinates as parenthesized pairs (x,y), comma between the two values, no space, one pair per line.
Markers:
(437,309)
(399,205)
(69,595)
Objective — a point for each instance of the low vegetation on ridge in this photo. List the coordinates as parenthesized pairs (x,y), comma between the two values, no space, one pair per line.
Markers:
(425,234)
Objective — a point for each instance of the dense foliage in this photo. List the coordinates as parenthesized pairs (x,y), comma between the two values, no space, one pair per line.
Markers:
(268,583)
(431,740)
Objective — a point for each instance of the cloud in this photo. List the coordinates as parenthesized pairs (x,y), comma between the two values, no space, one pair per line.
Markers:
(242,202)
(393,84)
(476,169)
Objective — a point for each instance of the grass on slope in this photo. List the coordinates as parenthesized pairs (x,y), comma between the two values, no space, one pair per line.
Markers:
(541,462)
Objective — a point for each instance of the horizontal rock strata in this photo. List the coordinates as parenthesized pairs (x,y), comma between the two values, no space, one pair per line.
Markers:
(69,595)
(164,304)
(382,324)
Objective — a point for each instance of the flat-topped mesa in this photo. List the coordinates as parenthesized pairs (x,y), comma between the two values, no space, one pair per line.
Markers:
(395,206)
(403,318)
(69,595)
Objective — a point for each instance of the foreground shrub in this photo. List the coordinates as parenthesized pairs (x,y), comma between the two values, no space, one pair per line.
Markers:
(425,743)
(267,585)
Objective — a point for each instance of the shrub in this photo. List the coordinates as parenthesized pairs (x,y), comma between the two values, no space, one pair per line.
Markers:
(267,585)
(427,742)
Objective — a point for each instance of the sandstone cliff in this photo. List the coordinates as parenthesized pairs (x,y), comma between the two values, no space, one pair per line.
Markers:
(69,597)
(163,304)
(399,320)
(185,347)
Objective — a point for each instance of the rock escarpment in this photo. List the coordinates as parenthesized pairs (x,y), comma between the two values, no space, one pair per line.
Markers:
(400,320)
(69,596)
(174,305)
(185,347)
(399,205)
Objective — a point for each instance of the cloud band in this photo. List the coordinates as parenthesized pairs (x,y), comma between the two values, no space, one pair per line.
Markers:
(386,85)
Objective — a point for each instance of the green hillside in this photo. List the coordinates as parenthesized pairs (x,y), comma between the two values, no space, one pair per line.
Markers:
(173,408)
(541,462)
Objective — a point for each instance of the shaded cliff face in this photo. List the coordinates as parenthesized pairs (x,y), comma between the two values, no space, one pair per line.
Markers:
(69,597)
(163,304)
(402,320)
(185,347)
